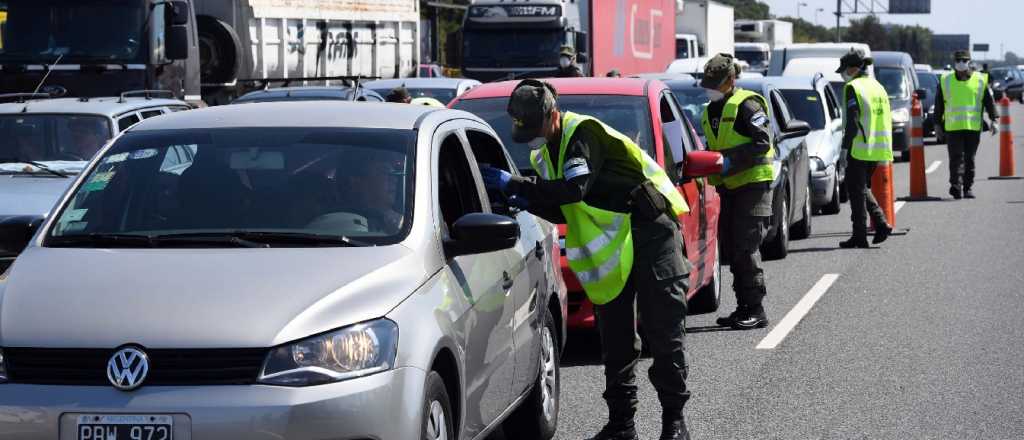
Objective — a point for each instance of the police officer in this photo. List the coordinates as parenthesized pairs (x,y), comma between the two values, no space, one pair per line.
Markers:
(622,241)
(736,125)
(961,96)
(567,67)
(867,139)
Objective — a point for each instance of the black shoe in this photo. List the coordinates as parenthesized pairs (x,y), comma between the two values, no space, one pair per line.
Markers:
(673,427)
(955,192)
(744,319)
(854,242)
(882,232)
(968,194)
(610,432)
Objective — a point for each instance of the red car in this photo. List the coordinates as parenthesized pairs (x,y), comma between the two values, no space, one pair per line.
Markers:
(641,109)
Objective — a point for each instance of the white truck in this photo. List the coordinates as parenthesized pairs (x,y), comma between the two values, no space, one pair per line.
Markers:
(755,39)
(709,23)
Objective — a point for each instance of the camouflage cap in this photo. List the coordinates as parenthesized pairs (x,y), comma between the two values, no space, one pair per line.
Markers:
(531,102)
(718,70)
(962,55)
(567,50)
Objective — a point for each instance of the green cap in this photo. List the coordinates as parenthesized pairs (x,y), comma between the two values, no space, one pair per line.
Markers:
(531,102)
(718,69)
(567,50)
(962,55)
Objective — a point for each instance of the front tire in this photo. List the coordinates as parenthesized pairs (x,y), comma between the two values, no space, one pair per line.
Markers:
(438,423)
(832,207)
(537,416)
(778,247)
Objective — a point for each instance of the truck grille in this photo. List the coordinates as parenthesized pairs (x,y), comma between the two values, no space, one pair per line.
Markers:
(167,367)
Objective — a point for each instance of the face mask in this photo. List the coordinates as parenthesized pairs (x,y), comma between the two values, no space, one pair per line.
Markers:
(847,77)
(714,95)
(564,62)
(537,142)
(962,66)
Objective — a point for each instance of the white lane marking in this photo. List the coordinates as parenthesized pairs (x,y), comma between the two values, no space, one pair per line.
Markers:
(934,166)
(794,316)
(899,205)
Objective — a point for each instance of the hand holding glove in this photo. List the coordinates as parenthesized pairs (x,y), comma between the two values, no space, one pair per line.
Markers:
(495,178)
(993,127)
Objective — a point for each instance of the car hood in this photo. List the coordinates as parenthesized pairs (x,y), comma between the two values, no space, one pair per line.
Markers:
(198,298)
(30,195)
(819,144)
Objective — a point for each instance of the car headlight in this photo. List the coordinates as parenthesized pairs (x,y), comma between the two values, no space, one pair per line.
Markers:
(3,367)
(354,351)
(901,116)
(817,165)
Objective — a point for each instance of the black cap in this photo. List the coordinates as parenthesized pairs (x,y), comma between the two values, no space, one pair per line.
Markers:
(854,58)
(399,94)
(962,55)
(531,102)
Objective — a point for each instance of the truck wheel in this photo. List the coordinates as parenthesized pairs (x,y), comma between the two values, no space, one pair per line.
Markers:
(219,51)
(438,423)
(708,297)
(537,416)
(778,247)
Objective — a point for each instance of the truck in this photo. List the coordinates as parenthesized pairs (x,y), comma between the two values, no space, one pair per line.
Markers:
(507,40)
(203,51)
(755,40)
(709,23)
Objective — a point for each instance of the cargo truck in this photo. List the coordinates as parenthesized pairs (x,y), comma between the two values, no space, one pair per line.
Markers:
(755,40)
(201,50)
(503,40)
(711,23)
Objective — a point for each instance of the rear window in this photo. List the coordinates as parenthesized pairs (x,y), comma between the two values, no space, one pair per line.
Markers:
(806,106)
(630,115)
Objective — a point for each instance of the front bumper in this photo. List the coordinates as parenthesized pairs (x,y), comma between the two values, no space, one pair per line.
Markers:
(822,185)
(387,405)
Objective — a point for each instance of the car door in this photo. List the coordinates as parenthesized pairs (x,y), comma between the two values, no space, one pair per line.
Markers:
(795,153)
(527,263)
(834,126)
(485,281)
(674,131)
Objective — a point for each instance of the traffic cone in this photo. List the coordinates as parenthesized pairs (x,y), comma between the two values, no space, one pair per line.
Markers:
(1006,160)
(881,187)
(918,177)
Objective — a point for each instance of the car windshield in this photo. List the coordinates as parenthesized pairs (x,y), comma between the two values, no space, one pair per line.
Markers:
(500,48)
(753,57)
(440,94)
(693,101)
(39,31)
(928,80)
(61,142)
(806,106)
(322,182)
(1000,74)
(630,115)
(894,79)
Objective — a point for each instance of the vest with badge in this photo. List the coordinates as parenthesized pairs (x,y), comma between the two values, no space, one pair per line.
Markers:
(873,142)
(963,101)
(598,242)
(727,138)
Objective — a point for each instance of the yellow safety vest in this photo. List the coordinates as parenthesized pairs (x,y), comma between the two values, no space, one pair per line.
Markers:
(726,138)
(963,101)
(873,142)
(598,242)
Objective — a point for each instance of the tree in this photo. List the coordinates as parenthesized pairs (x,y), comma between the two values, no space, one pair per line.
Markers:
(868,30)
(748,9)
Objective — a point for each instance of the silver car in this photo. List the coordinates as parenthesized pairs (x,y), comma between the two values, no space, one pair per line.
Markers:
(295,270)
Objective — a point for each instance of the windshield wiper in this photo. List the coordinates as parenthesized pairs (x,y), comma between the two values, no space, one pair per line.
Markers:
(218,238)
(35,164)
(96,239)
(299,238)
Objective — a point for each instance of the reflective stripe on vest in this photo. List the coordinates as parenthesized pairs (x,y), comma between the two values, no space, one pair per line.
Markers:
(873,142)
(963,101)
(726,138)
(598,242)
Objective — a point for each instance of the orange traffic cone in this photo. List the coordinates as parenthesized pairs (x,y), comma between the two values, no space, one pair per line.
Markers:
(881,187)
(918,176)
(1006,159)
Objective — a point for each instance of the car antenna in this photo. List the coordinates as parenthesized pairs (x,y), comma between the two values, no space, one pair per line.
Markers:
(47,74)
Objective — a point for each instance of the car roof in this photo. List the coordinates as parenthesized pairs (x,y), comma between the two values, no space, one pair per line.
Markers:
(326,92)
(663,76)
(297,114)
(107,106)
(794,82)
(569,86)
(437,83)
(889,58)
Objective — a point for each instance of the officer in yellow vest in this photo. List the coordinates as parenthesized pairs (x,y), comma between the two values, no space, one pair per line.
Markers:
(867,139)
(622,241)
(736,125)
(959,103)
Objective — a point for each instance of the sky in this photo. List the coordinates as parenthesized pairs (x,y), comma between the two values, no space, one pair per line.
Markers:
(988,21)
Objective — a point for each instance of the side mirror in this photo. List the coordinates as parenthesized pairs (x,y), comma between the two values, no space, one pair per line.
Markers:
(176,44)
(16,232)
(581,44)
(702,163)
(796,128)
(478,232)
(921,93)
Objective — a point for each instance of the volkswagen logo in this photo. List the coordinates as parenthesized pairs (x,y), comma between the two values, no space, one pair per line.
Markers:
(127,368)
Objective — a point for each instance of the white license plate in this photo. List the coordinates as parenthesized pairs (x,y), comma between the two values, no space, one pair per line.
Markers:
(125,427)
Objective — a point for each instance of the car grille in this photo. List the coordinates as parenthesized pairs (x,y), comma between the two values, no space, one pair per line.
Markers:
(167,367)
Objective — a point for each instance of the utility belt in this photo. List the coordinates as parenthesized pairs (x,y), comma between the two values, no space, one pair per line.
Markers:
(646,203)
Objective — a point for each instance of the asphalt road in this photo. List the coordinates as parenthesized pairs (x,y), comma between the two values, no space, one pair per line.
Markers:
(920,338)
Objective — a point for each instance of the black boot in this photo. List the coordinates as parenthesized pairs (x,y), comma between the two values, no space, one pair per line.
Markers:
(745,318)
(968,194)
(613,432)
(955,192)
(882,232)
(855,242)
(673,426)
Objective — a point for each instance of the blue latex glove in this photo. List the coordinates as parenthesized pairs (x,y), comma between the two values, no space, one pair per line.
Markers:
(518,201)
(495,178)
(726,164)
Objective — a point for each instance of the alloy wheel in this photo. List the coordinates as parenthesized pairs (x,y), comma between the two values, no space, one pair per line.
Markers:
(437,424)
(549,374)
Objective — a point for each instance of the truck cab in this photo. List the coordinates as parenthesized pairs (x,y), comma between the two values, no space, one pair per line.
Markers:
(687,46)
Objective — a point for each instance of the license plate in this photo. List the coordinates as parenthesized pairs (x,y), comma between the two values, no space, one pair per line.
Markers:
(125,427)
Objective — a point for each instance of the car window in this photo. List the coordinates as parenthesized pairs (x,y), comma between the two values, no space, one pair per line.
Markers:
(331,181)
(692,101)
(780,115)
(456,187)
(895,81)
(806,106)
(487,150)
(150,113)
(125,122)
(832,104)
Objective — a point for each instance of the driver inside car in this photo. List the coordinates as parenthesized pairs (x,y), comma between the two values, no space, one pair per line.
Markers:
(87,137)
(368,188)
